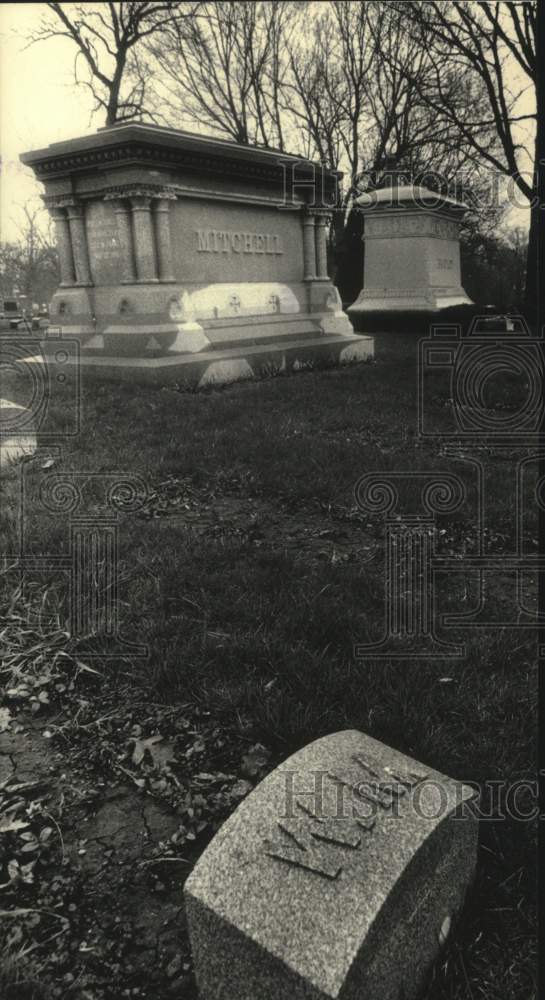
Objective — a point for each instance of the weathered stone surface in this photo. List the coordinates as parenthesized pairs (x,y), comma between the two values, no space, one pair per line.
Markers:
(17,432)
(173,245)
(412,252)
(349,903)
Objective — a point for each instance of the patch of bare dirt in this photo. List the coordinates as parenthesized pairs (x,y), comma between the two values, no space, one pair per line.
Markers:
(101,820)
(308,529)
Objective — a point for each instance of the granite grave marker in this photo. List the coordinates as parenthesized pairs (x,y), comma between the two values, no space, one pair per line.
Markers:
(338,877)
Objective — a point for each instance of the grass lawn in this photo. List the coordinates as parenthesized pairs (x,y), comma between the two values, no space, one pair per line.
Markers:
(249,574)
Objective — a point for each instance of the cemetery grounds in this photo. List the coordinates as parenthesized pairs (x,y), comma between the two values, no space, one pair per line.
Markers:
(249,573)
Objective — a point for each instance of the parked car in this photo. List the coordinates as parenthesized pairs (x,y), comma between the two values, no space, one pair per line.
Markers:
(11,313)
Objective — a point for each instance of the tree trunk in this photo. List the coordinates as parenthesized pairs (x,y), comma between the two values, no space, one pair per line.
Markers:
(532,267)
(112,110)
(536,244)
(349,250)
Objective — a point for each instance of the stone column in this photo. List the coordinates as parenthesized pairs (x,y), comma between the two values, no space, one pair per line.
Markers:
(321,247)
(64,246)
(124,233)
(144,242)
(79,245)
(162,232)
(309,248)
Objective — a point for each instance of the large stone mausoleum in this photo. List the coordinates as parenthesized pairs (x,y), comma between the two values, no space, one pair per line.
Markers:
(185,256)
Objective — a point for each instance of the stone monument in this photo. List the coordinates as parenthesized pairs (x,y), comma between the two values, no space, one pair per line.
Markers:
(412,252)
(338,877)
(185,257)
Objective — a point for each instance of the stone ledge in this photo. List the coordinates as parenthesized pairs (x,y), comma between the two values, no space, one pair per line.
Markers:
(296,354)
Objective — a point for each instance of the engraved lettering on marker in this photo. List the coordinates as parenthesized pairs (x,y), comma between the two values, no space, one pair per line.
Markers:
(204,240)
(103,242)
(331,830)
(226,241)
(383,786)
(310,860)
(385,773)
(362,787)
(310,836)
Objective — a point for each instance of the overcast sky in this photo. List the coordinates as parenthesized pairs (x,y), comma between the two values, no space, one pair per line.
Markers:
(39,104)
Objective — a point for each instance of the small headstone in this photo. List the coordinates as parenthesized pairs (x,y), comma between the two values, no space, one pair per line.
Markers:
(17,433)
(412,252)
(337,877)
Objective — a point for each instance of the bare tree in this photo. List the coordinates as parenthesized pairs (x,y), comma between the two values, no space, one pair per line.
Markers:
(28,264)
(224,71)
(108,40)
(324,92)
(494,46)
(354,92)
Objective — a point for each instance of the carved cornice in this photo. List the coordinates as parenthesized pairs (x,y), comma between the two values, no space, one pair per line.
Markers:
(59,200)
(172,192)
(182,159)
(138,191)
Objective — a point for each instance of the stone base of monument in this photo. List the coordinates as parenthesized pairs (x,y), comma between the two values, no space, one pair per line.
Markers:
(339,876)
(421,301)
(201,352)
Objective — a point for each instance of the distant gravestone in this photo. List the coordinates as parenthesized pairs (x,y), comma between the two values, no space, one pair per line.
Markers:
(412,252)
(17,432)
(338,877)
